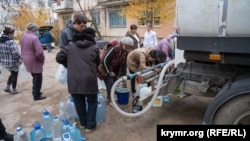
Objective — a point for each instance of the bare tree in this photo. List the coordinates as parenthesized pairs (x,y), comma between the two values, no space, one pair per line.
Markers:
(93,22)
(7,12)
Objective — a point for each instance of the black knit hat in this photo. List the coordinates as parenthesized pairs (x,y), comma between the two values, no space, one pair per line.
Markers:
(89,31)
(87,34)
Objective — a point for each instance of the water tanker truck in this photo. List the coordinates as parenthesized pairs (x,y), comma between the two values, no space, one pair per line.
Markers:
(212,60)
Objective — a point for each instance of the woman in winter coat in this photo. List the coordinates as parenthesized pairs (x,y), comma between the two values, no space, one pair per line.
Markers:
(133,34)
(10,58)
(82,55)
(33,59)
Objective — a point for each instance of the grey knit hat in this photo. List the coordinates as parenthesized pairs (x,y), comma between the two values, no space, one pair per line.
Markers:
(127,41)
(32,27)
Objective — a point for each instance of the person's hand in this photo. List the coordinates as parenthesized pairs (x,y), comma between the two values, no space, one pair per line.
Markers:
(112,74)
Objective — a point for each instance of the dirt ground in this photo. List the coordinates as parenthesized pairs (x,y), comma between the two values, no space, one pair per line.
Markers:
(21,109)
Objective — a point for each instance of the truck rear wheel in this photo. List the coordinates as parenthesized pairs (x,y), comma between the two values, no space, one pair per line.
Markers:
(235,111)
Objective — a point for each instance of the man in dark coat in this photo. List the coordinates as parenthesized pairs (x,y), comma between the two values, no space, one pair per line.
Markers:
(72,29)
(81,58)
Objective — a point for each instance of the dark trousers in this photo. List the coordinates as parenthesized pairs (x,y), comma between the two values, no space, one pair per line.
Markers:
(37,84)
(48,45)
(2,130)
(87,117)
(132,83)
(109,81)
(13,79)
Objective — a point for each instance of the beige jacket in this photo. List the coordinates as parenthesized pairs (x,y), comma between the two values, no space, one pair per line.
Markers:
(138,59)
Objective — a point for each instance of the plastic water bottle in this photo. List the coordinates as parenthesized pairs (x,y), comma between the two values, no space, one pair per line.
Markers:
(65,127)
(74,132)
(38,133)
(56,129)
(66,136)
(101,108)
(62,110)
(72,109)
(20,134)
(47,122)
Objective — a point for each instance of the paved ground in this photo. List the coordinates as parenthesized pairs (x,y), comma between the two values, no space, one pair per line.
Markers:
(22,109)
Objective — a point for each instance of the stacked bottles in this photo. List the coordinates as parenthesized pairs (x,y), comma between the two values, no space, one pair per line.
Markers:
(101,109)
(56,129)
(62,110)
(47,122)
(20,134)
(71,110)
(74,132)
(65,127)
(38,133)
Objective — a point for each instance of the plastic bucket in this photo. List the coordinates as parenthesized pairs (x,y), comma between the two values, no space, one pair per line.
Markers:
(122,95)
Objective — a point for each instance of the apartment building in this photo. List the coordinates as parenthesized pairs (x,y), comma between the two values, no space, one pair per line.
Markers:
(106,13)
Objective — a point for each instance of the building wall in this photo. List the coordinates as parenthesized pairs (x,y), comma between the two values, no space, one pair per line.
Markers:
(109,33)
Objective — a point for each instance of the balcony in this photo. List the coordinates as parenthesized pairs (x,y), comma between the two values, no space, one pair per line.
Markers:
(62,6)
(111,3)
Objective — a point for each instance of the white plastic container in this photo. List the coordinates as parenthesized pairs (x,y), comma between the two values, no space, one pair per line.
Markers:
(158,101)
(145,91)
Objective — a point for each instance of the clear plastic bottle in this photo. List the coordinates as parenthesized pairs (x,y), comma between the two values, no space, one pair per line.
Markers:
(56,129)
(20,134)
(72,109)
(38,133)
(47,122)
(62,110)
(101,109)
(75,132)
(65,127)
(66,136)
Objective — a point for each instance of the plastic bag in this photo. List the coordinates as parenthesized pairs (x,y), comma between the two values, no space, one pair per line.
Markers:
(101,84)
(61,75)
(23,74)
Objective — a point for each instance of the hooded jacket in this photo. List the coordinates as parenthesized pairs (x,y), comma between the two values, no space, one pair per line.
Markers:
(67,35)
(81,58)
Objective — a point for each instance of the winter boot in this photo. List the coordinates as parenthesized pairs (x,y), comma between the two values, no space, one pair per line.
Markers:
(7,89)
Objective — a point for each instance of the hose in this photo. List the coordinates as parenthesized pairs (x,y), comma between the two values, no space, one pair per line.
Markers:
(149,105)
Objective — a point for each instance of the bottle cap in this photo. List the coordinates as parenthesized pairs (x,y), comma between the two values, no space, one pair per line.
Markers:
(66,136)
(66,122)
(37,126)
(19,128)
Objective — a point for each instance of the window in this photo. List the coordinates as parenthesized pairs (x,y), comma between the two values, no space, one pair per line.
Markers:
(66,19)
(115,19)
(96,17)
(147,17)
